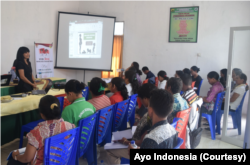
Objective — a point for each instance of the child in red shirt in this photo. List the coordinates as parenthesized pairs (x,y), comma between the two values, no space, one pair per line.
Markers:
(119,89)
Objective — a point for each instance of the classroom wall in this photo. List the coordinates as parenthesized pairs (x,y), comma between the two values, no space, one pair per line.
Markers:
(145,33)
(146,28)
(23,23)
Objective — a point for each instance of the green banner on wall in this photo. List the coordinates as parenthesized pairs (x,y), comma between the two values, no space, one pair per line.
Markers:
(183,25)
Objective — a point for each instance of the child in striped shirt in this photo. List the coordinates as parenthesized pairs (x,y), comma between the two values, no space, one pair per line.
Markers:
(96,88)
(189,94)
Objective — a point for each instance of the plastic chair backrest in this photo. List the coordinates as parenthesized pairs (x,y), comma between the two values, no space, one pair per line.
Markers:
(182,124)
(85,93)
(61,148)
(132,105)
(145,81)
(175,120)
(193,83)
(87,130)
(218,102)
(156,81)
(198,90)
(61,101)
(120,115)
(179,143)
(239,108)
(104,124)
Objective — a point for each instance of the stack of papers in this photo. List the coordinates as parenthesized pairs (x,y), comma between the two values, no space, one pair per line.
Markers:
(118,136)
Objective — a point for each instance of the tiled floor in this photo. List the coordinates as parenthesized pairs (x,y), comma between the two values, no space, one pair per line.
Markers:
(206,142)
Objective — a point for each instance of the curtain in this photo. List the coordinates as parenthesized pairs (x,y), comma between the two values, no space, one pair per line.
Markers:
(116,58)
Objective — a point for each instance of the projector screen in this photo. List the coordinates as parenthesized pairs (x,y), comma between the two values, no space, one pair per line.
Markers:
(84,41)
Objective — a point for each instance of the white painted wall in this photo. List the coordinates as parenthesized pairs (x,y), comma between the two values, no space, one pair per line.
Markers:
(145,33)
(147,27)
(23,23)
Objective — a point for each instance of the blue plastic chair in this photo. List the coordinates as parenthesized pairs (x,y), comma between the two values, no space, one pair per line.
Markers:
(61,148)
(236,117)
(104,125)
(131,109)
(179,143)
(85,93)
(30,126)
(212,118)
(198,90)
(175,122)
(87,141)
(120,114)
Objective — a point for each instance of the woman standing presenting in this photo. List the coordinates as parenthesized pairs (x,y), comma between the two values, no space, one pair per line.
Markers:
(24,71)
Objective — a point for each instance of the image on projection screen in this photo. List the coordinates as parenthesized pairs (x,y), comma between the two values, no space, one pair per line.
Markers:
(85,39)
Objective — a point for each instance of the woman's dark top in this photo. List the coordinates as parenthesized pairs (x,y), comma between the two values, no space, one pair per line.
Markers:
(22,86)
(197,81)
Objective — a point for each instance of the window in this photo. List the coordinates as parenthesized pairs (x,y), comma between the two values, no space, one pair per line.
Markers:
(117,51)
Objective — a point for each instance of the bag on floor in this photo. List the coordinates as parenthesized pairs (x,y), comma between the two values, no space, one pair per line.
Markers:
(195,137)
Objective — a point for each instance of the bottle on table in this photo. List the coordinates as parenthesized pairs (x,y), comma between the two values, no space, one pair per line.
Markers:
(133,144)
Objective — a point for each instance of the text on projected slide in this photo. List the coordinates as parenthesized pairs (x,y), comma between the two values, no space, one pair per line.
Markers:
(85,39)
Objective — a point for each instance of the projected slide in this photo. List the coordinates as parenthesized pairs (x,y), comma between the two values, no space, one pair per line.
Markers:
(85,39)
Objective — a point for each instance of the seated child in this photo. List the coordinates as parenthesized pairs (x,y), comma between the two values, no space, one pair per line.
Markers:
(162,77)
(189,94)
(131,82)
(174,86)
(80,108)
(208,102)
(119,89)
(154,132)
(96,88)
(50,111)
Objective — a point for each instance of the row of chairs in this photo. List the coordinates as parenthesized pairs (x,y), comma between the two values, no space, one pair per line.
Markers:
(215,118)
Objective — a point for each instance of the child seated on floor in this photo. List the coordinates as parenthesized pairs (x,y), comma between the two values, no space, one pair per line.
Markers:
(50,111)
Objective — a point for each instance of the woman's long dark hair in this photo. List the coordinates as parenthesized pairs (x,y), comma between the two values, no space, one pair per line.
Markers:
(131,76)
(120,86)
(20,52)
(223,80)
(163,74)
(136,65)
(95,85)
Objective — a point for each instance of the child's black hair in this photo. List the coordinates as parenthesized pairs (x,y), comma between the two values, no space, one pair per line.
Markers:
(186,79)
(144,68)
(95,84)
(74,86)
(120,86)
(179,73)
(45,107)
(162,102)
(187,71)
(131,76)
(244,77)
(195,68)
(175,84)
(214,75)
(145,89)
(163,74)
